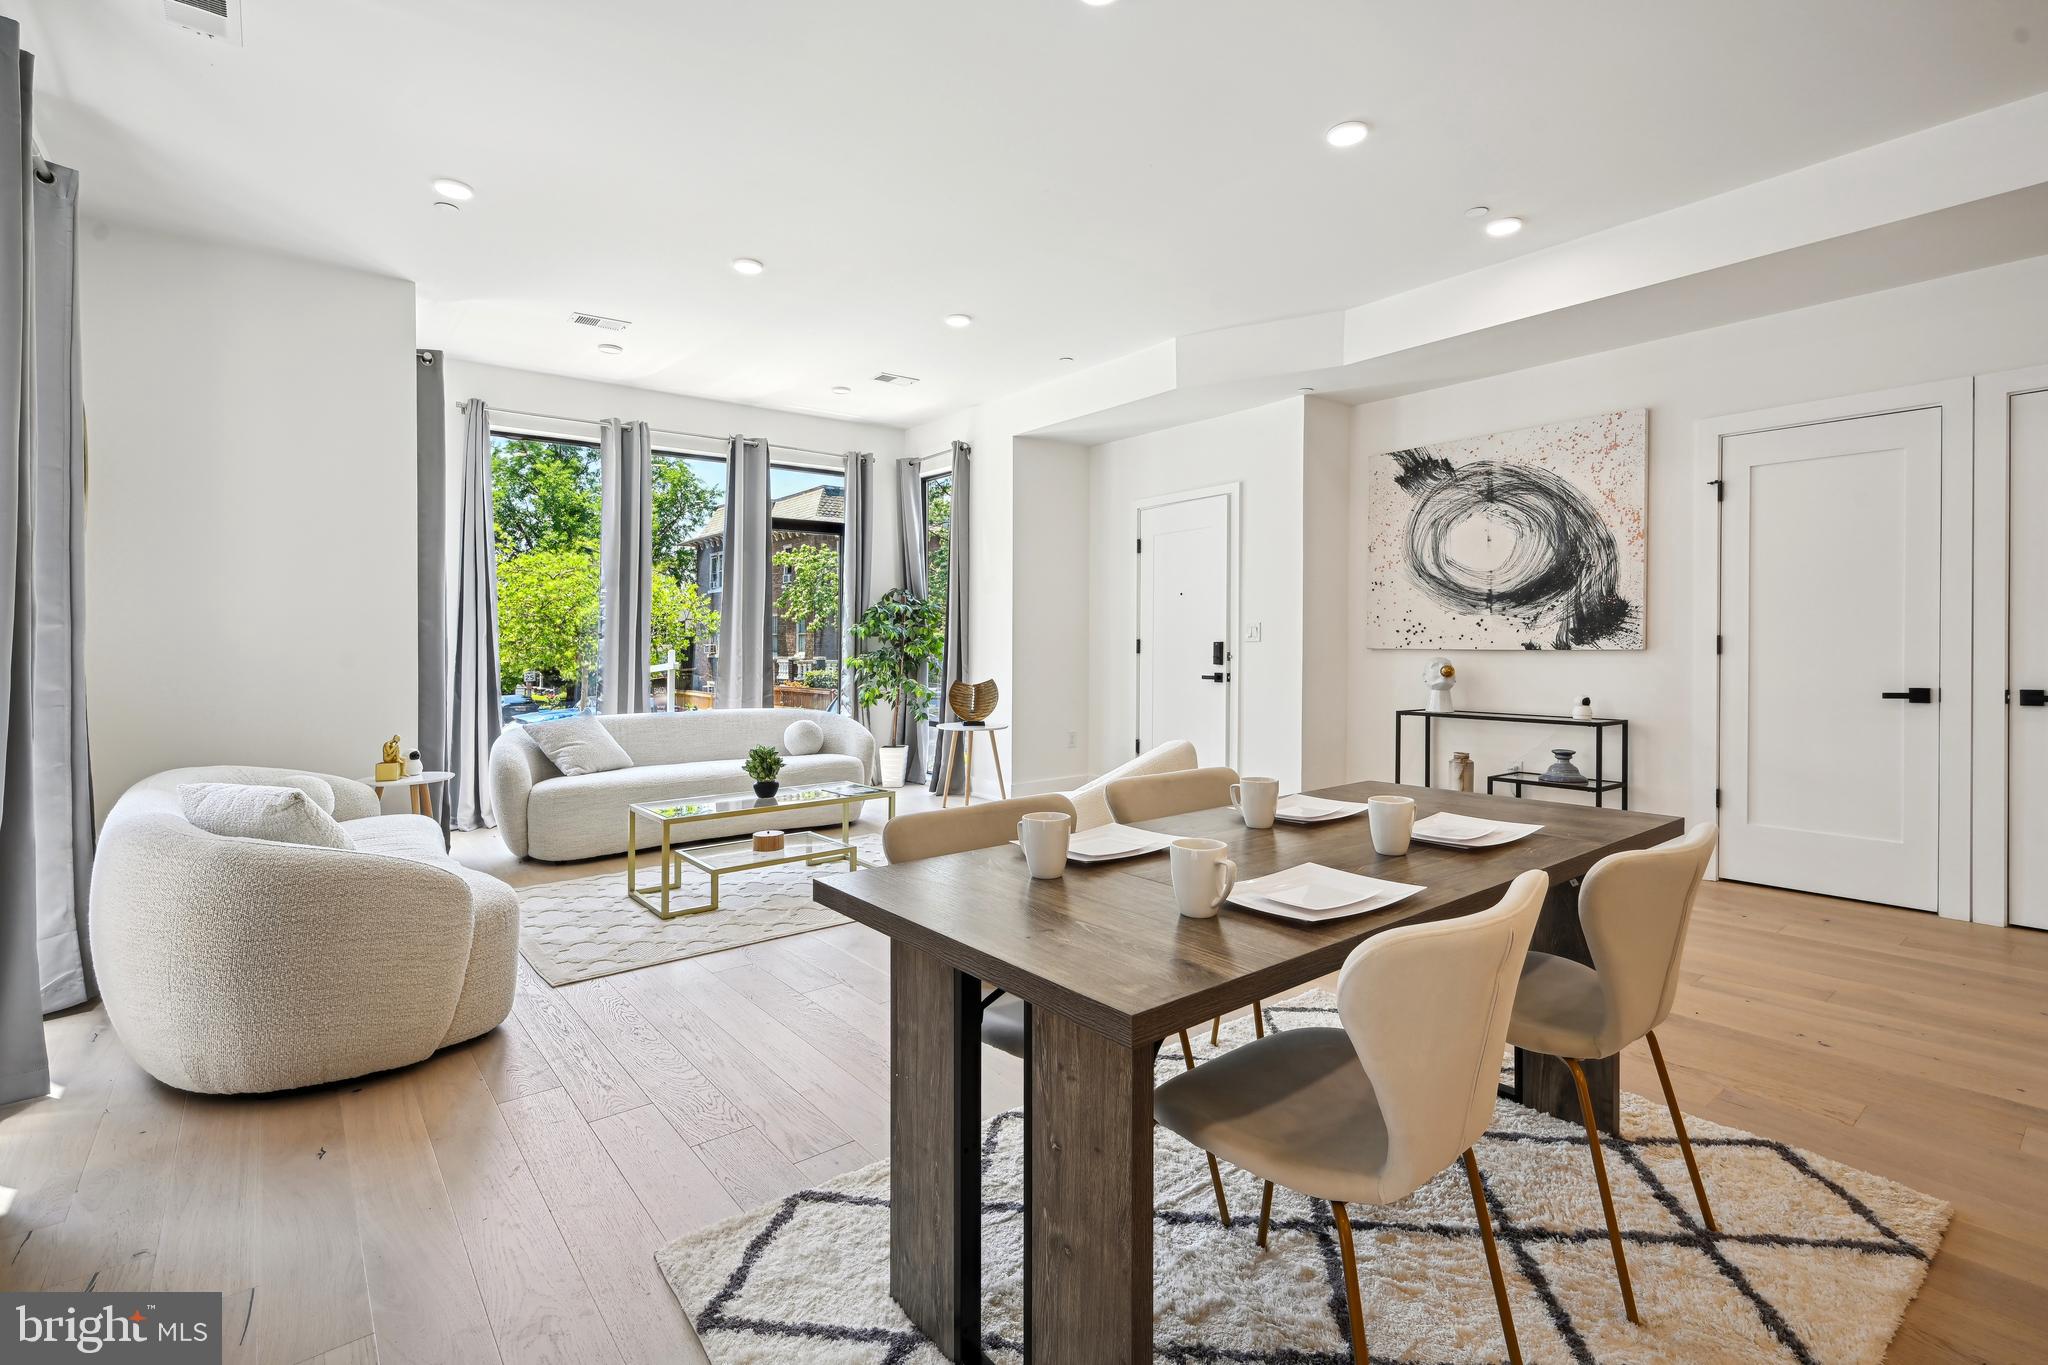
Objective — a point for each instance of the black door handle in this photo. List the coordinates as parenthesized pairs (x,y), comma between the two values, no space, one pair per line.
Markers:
(1213,677)
(2034,696)
(1913,694)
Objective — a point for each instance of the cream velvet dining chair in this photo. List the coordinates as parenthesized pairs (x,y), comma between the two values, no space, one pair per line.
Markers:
(1157,797)
(1634,909)
(1370,1112)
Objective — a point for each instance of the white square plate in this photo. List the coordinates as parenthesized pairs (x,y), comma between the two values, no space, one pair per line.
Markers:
(1463,831)
(1314,810)
(1106,843)
(1312,893)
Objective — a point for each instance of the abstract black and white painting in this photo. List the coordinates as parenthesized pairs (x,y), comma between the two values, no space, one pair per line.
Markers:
(1529,539)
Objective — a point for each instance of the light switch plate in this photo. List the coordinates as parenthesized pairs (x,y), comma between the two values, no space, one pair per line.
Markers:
(1254,632)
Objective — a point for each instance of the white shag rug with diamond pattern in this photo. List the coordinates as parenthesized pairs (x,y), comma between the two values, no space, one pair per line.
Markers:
(1815,1262)
(585,928)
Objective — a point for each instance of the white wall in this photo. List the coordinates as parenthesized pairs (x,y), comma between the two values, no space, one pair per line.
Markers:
(1261,451)
(1961,325)
(1051,742)
(249,567)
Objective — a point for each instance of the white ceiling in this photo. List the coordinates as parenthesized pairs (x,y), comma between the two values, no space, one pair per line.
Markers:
(1086,181)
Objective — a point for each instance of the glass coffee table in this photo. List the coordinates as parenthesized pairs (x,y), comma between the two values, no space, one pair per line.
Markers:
(722,859)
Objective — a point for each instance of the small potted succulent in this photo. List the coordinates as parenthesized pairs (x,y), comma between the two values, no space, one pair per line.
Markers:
(764,765)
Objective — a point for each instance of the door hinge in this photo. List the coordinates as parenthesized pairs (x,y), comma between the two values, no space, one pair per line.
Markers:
(1720,488)
(1717,798)
(1141,544)
(1137,746)
(1717,644)
(1141,646)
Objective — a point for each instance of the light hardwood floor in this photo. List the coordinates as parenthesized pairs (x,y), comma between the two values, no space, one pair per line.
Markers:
(503,1201)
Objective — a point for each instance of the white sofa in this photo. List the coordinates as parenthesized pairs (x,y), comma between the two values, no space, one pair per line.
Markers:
(234,965)
(543,814)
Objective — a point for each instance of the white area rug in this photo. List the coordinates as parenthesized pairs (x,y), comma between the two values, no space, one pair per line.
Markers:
(1816,1261)
(577,930)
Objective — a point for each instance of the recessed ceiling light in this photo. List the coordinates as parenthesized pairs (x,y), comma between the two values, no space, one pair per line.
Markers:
(959,320)
(747,265)
(444,204)
(1503,227)
(1347,134)
(1305,388)
(1066,360)
(454,189)
(1100,3)
(610,347)
(1477,211)
(842,388)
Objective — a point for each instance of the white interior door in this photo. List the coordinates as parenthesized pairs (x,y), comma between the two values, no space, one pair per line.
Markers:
(1185,664)
(1830,610)
(2027,643)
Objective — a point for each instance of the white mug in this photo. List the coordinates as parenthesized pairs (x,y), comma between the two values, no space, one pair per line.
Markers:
(1044,835)
(1202,876)
(1393,820)
(1254,798)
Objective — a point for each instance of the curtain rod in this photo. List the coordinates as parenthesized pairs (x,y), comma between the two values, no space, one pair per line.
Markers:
(665,431)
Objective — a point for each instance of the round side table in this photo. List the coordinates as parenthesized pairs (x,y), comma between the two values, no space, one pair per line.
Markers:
(419,789)
(955,735)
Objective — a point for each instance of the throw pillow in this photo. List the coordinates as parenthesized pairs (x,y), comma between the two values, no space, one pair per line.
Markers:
(283,815)
(318,788)
(579,746)
(803,737)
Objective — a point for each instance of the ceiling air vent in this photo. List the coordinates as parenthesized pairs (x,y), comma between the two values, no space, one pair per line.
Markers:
(901,381)
(603,324)
(212,18)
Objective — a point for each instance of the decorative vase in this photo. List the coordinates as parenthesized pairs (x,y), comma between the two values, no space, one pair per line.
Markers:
(1461,771)
(895,758)
(764,790)
(1563,770)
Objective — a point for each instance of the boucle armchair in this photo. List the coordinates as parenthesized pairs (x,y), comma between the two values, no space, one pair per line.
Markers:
(235,965)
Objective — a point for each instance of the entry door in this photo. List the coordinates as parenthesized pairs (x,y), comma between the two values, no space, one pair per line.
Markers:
(2027,641)
(1830,610)
(1185,663)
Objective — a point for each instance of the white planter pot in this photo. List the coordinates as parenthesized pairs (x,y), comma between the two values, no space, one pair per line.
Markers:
(895,757)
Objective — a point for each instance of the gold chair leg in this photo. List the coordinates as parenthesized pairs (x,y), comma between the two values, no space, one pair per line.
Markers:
(1259,1017)
(1500,1284)
(1265,1213)
(1216,1179)
(1187,1051)
(1358,1351)
(1628,1293)
(1692,1167)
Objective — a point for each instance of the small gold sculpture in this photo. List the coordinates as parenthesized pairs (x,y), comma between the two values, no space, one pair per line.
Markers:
(973,702)
(393,766)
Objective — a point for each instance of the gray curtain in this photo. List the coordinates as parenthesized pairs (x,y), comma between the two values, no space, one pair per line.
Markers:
(626,564)
(745,660)
(853,565)
(956,602)
(431,497)
(45,792)
(910,543)
(473,687)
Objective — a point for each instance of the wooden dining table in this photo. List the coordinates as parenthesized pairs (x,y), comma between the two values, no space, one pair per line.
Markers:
(1108,969)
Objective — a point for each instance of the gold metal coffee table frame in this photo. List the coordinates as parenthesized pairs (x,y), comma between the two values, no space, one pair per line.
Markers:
(721,859)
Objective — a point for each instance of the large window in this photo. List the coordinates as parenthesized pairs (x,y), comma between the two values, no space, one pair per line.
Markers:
(938,561)
(807,525)
(545,501)
(689,578)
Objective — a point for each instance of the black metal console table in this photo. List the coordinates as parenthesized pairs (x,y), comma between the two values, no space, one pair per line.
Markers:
(1599,784)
